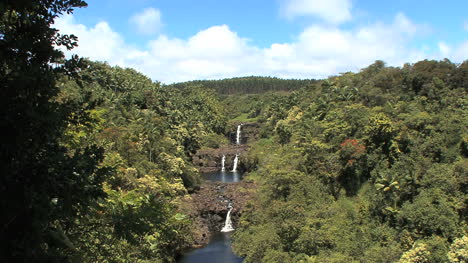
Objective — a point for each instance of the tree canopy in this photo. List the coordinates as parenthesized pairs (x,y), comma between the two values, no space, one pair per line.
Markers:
(95,159)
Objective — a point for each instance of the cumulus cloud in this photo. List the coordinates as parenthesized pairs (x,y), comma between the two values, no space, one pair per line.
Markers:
(457,53)
(444,49)
(148,22)
(331,11)
(218,52)
(99,42)
(461,53)
(215,52)
(323,51)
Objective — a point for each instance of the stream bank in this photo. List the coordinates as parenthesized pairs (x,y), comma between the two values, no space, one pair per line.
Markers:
(209,159)
(222,188)
(208,207)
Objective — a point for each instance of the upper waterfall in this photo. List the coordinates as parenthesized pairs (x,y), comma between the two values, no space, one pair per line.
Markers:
(238,136)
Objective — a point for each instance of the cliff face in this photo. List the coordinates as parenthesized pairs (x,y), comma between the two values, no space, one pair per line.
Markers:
(208,206)
(250,132)
(209,160)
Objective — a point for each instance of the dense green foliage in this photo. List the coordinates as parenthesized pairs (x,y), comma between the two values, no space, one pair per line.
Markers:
(248,85)
(35,168)
(365,167)
(94,158)
(147,134)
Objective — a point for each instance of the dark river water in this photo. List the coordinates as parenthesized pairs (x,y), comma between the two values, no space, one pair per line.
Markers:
(225,177)
(219,249)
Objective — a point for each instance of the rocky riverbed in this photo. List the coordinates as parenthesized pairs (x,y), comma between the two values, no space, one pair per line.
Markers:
(208,206)
(209,160)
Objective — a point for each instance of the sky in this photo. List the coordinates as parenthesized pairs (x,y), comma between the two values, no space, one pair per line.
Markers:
(181,40)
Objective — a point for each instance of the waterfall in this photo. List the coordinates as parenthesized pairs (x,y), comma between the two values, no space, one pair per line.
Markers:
(238,137)
(228,224)
(222,163)
(236,160)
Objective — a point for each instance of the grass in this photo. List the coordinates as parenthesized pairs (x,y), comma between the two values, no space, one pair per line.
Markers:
(244,118)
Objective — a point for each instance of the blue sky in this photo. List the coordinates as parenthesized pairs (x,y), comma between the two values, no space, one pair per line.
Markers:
(179,40)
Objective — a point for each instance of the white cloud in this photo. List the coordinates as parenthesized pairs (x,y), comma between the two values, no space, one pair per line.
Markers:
(457,53)
(218,52)
(444,49)
(332,11)
(321,51)
(212,53)
(147,22)
(99,42)
(403,24)
(462,52)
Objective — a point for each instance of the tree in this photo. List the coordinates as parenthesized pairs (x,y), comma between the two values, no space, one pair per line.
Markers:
(459,250)
(392,139)
(43,185)
(418,254)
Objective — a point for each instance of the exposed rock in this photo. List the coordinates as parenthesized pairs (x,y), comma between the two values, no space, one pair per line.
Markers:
(209,160)
(250,132)
(217,218)
(208,206)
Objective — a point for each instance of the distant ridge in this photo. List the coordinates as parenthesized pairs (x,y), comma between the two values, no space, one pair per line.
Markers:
(248,85)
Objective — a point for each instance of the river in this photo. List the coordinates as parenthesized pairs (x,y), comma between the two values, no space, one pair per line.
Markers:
(225,177)
(218,249)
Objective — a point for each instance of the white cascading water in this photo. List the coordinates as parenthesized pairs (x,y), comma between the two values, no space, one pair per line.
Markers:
(238,136)
(236,160)
(228,224)
(223,160)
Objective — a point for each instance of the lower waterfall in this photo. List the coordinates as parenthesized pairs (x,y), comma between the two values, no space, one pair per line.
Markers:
(228,224)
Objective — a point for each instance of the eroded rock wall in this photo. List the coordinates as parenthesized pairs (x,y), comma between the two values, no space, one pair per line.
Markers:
(209,160)
(209,206)
(250,132)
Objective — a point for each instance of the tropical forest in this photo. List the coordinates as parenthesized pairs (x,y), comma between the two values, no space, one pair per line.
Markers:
(101,163)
